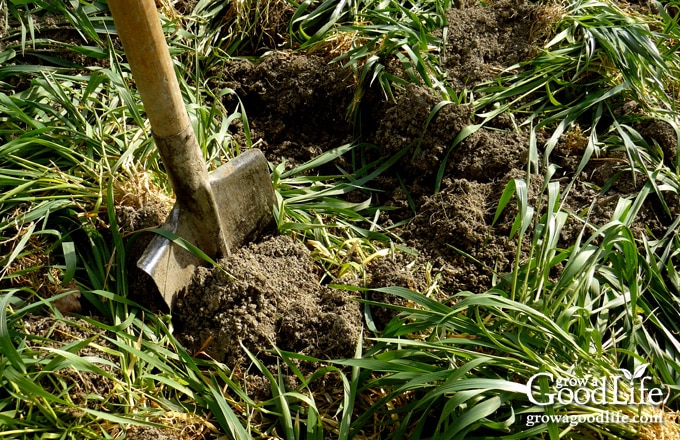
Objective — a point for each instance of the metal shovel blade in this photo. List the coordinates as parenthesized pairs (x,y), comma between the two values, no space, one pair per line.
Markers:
(245,200)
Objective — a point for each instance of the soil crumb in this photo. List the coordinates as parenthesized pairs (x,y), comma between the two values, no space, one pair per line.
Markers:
(455,224)
(264,295)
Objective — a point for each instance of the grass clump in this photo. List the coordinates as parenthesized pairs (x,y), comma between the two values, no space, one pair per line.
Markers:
(600,57)
(94,379)
(368,36)
(313,208)
(465,367)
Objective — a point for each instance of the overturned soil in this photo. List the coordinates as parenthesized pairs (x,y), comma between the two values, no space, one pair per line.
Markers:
(264,295)
(272,294)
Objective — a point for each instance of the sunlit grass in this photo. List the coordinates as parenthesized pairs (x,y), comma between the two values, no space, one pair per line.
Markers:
(312,207)
(366,35)
(72,134)
(462,368)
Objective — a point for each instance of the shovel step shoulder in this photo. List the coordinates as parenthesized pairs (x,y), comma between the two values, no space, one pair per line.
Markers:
(244,196)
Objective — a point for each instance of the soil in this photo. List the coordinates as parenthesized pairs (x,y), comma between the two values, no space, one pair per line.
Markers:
(272,293)
(87,388)
(264,295)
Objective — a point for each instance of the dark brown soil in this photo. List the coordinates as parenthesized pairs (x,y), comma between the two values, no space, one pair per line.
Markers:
(264,295)
(272,293)
(296,104)
(484,41)
(269,294)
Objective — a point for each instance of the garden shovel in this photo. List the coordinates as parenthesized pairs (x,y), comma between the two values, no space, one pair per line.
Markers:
(215,212)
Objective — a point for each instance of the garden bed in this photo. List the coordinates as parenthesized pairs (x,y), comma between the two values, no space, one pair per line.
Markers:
(422,191)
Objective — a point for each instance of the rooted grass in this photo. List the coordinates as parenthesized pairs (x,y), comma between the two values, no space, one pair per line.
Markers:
(75,146)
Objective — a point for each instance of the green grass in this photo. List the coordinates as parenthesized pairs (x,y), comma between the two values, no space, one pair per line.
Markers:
(599,58)
(461,368)
(72,135)
(368,34)
(312,208)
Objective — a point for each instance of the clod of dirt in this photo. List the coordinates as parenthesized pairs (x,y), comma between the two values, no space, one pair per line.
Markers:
(661,133)
(388,272)
(487,156)
(183,432)
(70,303)
(485,39)
(405,123)
(140,204)
(296,103)
(264,295)
(184,7)
(455,220)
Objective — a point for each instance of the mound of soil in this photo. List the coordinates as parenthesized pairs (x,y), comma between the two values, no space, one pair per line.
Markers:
(296,104)
(483,40)
(263,296)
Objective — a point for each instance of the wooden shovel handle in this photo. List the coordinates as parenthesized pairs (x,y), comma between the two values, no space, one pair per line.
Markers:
(140,31)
